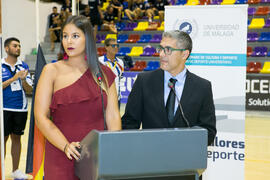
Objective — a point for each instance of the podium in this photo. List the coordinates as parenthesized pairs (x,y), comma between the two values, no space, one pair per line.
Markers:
(143,154)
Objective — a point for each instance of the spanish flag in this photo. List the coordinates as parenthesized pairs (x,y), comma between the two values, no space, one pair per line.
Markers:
(0,169)
(36,140)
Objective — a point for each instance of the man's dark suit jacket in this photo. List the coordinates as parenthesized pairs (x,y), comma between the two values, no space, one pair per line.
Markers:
(146,104)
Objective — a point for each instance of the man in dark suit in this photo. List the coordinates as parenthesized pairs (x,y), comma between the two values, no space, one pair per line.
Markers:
(148,103)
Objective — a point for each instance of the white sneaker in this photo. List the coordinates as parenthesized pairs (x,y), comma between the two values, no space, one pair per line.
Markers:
(18,174)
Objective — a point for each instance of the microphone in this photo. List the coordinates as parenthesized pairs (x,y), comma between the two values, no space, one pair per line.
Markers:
(99,79)
(171,86)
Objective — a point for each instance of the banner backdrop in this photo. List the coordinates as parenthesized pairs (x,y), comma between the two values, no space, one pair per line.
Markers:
(219,35)
(257,91)
(126,84)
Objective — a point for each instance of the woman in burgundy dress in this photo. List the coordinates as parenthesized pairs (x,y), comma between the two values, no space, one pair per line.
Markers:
(68,100)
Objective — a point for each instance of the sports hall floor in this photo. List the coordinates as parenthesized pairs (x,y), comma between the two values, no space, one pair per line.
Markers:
(257,162)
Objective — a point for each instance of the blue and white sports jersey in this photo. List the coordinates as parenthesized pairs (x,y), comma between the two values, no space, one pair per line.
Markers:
(14,98)
(117,67)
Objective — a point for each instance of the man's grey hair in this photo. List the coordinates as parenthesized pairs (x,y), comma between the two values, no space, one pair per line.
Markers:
(183,39)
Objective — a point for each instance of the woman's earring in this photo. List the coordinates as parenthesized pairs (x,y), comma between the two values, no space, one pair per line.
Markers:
(85,57)
(65,56)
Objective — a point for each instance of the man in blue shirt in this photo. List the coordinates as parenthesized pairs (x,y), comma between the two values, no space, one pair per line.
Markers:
(16,82)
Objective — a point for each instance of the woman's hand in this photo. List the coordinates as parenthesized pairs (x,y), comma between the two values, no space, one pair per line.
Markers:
(71,151)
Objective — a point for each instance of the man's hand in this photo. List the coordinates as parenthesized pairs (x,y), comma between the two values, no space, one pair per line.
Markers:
(21,74)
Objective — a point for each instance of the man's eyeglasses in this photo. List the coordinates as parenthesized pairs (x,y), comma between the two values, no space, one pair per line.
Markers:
(167,50)
(114,45)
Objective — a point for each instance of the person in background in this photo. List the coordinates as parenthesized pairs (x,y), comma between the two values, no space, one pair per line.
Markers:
(117,9)
(137,10)
(86,12)
(108,21)
(68,101)
(54,30)
(80,6)
(67,7)
(114,63)
(96,14)
(158,8)
(16,83)
(65,11)
(53,15)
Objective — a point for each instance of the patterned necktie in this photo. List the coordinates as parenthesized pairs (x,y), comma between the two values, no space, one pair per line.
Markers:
(171,102)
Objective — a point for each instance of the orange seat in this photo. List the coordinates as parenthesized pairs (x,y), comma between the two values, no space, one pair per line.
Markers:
(143,64)
(135,67)
(204,2)
(254,67)
(139,66)
(262,10)
(133,38)
(249,51)
(156,54)
(101,51)
(254,1)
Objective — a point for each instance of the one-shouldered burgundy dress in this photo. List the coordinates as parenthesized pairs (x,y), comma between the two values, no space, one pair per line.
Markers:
(75,110)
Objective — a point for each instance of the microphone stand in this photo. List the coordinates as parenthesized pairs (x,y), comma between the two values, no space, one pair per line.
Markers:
(102,101)
(170,84)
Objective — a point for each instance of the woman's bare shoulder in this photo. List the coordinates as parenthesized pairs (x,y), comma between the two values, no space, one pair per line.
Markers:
(52,69)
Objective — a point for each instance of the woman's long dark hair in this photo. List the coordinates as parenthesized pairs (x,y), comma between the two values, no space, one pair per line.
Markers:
(84,24)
